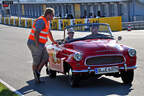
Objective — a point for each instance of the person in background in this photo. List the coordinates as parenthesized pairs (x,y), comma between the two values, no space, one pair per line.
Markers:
(37,39)
(94,32)
(70,35)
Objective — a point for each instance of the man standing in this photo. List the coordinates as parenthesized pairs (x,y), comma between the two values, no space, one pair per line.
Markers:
(37,39)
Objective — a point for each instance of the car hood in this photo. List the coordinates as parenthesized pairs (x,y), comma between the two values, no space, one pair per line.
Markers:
(96,45)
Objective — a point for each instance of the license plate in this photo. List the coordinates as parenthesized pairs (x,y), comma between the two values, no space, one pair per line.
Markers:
(112,69)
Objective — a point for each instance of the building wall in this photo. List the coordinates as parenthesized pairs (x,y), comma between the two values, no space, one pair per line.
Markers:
(69,1)
(83,10)
(128,9)
(92,10)
(0,9)
(136,10)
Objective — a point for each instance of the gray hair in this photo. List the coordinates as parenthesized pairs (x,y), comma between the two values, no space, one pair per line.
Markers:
(49,11)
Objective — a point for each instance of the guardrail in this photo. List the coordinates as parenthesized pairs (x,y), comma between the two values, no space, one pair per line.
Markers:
(66,1)
(60,24)
(134,25)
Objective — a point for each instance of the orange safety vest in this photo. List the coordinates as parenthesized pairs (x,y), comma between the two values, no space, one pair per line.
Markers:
(43,33)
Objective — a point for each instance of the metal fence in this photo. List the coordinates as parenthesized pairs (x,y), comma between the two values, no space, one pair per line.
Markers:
(134,25)
(60,24)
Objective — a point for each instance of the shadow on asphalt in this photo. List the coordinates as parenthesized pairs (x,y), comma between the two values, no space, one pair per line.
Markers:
(91,87)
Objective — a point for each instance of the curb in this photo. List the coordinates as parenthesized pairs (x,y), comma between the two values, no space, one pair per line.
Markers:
(11,88)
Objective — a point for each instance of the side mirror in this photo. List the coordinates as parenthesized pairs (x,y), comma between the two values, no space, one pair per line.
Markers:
(119,38)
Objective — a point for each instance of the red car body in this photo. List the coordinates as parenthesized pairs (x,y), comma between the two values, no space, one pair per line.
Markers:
(98,57)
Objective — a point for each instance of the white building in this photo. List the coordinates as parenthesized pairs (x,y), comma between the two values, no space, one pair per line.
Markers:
(129,9)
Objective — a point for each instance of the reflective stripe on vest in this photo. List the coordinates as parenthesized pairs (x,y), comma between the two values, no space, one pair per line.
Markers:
(43,33)
(39,36)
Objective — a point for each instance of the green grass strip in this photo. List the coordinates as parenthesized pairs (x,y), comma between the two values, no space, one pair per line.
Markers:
(4,91)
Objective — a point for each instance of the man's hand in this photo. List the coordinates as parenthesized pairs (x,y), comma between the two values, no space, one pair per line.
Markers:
(55,43)
(51,38)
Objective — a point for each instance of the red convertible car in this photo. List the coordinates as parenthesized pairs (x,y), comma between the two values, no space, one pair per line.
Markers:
(92,52)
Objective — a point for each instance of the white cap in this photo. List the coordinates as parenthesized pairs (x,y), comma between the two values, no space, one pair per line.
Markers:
(70,30)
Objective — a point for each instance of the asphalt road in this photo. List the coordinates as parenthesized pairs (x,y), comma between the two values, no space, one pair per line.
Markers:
(15,68)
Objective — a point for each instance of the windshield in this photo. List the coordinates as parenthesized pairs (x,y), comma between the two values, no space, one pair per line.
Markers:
(88,31)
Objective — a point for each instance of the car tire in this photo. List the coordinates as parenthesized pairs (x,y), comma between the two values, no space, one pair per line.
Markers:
(127,76)
(73,80)
(52,74)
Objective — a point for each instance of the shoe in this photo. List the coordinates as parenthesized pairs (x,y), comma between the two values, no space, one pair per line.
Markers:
(36,77)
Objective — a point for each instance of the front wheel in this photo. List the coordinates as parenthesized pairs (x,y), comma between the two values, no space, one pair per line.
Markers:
(127,76)
(73,79)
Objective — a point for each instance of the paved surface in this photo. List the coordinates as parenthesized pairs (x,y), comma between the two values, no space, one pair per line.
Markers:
(15,68)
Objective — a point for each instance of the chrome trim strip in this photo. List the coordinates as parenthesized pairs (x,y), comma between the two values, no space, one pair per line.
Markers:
(91,70)
(106,51)
(107,64)
(80,71)
(132,67)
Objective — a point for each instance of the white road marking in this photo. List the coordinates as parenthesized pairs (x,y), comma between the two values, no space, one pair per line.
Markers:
(11,88)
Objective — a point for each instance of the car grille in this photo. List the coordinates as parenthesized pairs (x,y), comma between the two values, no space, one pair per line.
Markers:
(104,60)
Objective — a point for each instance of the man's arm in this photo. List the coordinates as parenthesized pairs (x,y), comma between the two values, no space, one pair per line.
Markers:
(51,37)
(39,25)
(36,37)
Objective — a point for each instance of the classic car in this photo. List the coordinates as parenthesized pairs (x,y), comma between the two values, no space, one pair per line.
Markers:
(91,55)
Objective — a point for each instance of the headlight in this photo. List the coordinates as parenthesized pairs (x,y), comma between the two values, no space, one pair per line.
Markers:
(77,56)
(132,52)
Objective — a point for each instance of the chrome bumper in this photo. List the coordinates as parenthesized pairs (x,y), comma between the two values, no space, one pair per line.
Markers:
(91,70)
